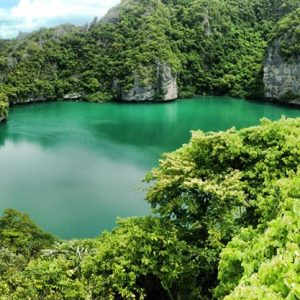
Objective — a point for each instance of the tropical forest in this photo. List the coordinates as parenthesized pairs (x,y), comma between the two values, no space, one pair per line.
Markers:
(150,150)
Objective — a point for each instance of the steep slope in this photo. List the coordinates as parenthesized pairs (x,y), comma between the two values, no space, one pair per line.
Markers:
(282,64)
(105,58)
(3,97)
(152,50)
(3,107)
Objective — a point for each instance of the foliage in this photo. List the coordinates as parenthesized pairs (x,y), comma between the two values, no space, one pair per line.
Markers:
(20,241)
(3,105)
(19,234)
(54,274)
(215,47)
(220,182)
(226,225)
(289,34)
(100,97)
(141,257)
(265,263)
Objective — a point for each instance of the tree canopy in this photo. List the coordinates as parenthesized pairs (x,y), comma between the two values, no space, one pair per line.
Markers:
(225,226)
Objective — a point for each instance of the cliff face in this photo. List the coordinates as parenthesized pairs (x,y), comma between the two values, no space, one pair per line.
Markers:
(164,87)
(282,63)
(141,51)
(3,107)
(281,75)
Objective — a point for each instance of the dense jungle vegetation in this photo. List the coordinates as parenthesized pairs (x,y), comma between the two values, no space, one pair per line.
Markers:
(214,47)
(226,206)
(226,226)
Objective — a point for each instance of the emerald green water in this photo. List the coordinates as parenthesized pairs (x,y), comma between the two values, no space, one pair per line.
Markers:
(74,167)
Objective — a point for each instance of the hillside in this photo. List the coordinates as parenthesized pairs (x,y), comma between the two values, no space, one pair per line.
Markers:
(225,225)
(225,207)
(282,63)
(154,50)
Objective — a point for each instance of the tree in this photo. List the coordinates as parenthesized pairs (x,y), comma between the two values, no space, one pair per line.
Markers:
(3,105)
(142,258)
(264,263)
(21,235)
(221,182)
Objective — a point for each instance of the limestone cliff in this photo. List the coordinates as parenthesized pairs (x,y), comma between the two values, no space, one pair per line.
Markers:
(164,87)
(281,75)
(3,107)
(282,63)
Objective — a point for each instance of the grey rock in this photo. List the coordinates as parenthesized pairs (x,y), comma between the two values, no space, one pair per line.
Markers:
(113,14)
(281,76)
(168,83)
(164,89)
(22,35)
(33,99)
(73,96)
(139,92)
(11,62)
(28,100)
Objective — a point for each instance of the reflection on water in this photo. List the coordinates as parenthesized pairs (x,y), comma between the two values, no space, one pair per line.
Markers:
(75,166)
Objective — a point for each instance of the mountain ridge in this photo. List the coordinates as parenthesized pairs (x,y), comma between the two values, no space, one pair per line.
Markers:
(207,47)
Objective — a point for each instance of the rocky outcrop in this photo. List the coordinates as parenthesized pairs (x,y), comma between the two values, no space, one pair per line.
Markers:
(34,99)
(281,75)
(113,14)
(164,87)
(27,100)
(73,96)
(3,107)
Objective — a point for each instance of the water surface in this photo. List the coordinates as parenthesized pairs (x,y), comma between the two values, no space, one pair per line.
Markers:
(74,167)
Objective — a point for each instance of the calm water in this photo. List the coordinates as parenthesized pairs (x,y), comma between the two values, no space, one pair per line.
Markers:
(74,167)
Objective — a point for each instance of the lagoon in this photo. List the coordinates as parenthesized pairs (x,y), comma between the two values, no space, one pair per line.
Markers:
(75,167)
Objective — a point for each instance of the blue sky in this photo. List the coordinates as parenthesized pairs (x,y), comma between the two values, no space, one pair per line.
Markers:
(28,15)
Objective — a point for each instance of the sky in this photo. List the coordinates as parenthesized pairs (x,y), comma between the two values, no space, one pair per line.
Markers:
(28,15)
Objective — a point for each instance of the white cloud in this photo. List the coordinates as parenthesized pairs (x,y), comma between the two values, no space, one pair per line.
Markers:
(28,15)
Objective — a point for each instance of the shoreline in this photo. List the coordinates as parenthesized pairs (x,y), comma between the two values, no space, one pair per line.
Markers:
(293,103)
